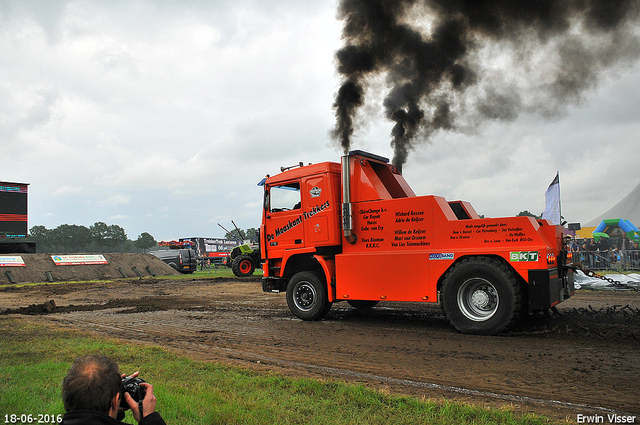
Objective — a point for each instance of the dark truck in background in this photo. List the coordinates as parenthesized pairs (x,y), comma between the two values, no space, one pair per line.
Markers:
(183,260)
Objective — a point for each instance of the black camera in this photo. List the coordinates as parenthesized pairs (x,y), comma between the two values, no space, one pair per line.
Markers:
(132,386)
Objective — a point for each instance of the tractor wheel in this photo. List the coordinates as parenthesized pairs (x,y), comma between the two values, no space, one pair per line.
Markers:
(243,266)
(307,296)
(362,305)
(481,295)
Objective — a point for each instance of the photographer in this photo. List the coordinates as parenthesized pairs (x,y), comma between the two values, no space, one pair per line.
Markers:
(93,393)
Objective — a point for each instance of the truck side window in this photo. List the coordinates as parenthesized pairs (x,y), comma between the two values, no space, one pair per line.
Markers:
(285,197)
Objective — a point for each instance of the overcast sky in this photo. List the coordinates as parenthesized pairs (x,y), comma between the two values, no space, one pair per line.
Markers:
(162,116)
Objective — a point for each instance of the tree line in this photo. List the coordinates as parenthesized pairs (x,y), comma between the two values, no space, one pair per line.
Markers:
(98,238)
(101,237)
(250,234)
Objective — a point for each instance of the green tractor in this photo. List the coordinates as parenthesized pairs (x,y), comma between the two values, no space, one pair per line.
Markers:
(243,259)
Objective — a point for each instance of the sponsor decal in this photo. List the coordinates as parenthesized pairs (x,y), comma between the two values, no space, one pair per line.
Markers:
(77,260)
(442,256)
(11,261)
(315,192)
(523,256)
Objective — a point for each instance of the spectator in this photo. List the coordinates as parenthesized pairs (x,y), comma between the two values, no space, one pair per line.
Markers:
(568,242)
(625,245)
(634,256)
(613,255)
(589,248)
(575,246)
(92,394)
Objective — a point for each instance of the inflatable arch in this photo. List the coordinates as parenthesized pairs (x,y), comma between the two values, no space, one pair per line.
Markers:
(626,226)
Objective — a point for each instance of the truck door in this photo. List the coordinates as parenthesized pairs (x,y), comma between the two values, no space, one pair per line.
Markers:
(283,224)
(320,211)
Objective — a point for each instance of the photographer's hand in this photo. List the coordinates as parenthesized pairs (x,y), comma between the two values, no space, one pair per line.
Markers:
(148,403)
(121,408)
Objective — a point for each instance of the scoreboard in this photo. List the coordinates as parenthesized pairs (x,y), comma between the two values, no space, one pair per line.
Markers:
(13,209)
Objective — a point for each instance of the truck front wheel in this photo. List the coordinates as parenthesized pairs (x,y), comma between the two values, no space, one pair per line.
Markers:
(307,296)
(481,295)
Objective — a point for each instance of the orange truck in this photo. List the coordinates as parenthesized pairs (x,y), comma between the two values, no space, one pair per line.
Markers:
(356,232)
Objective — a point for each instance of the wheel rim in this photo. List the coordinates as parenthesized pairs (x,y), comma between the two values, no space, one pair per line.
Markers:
(478,299)
(305,296)
(245,266)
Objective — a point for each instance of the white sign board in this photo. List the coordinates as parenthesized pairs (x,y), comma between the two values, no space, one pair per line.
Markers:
(78,260)
(11,261)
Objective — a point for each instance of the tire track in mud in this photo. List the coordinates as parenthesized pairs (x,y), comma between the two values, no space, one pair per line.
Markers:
(229,327)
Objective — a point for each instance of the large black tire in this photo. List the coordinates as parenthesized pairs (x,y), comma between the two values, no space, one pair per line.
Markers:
(362,305)
(243,266)
(481,295)
(307,296)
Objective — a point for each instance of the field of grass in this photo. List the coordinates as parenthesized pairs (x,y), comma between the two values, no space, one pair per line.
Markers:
(211,273)
(35,358)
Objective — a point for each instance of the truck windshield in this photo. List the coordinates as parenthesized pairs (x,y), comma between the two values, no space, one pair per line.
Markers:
(285,197)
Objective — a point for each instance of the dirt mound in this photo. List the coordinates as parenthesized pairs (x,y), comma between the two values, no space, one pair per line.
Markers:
(41,268)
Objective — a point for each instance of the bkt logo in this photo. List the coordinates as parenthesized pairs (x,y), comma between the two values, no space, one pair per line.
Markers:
(447,256)
(524,256)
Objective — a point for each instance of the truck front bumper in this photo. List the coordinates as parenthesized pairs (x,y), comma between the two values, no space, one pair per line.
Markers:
(274,284)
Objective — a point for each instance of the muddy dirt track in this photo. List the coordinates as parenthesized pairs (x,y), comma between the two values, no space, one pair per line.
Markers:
(585,360)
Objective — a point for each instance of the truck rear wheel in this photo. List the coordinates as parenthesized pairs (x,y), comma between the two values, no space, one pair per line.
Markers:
(481,295)
(243,266)
(307,296)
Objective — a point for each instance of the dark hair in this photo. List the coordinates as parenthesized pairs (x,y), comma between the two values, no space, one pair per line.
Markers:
(91,384)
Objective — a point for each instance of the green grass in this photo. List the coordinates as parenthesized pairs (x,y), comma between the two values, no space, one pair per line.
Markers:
(208,274)
(218,272)
(34,359)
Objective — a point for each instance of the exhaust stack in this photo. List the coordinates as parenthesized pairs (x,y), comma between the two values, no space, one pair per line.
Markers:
(347,217)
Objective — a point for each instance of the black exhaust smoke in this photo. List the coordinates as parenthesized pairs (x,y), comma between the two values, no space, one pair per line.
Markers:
(453,64)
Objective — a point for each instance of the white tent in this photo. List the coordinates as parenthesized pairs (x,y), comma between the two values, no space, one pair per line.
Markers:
(626,209)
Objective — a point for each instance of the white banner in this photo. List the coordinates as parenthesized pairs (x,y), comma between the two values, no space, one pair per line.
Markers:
(552,200)
(77,260)
(11,261)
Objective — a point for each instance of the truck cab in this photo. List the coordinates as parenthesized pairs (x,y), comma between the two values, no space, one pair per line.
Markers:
(300,215)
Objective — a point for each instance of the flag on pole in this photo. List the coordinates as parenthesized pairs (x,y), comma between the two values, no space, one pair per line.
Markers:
(552,199)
